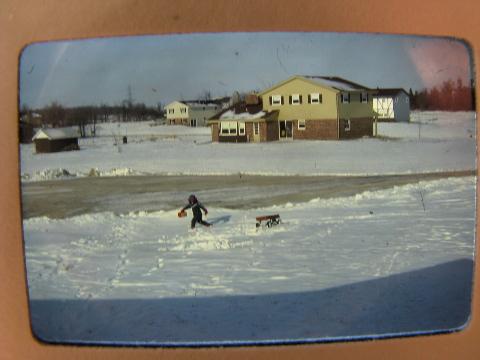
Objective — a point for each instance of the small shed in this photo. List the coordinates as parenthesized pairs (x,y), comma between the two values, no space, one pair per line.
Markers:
(55,140)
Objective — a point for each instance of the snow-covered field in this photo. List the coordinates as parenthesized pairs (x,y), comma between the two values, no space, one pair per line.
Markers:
(446,142)
(380,263)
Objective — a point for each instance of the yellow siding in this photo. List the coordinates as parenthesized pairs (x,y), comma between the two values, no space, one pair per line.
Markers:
(326,110)
(356,109)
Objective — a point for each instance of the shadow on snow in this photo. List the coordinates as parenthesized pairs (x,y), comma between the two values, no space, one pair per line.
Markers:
(433,299)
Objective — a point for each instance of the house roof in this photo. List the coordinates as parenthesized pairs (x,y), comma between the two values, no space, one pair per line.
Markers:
(56,134)
(333,82)
(173,103)
(390,92)
(244,112)
(337,83)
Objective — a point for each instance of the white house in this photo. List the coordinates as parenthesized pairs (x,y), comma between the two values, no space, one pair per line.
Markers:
(392,105)
(191,113)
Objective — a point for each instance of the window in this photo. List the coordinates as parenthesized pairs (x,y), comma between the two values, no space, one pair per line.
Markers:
(228,128)
(295,99)
(315,98)
(241,128)
(347,124)
(193,122)
(345,98)
(171,111)
(276,100)
(256,128)
(364,98)
(301,125)
(183,110)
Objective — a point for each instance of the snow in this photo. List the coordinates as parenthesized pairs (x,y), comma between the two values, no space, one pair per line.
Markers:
(230,114)
(380,263)
(320,246)
(446,142)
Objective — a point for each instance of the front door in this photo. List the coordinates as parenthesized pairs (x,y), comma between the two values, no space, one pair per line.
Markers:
(256,132)
(286,129)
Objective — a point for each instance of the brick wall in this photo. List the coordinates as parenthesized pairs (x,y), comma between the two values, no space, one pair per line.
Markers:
(316,130)
(358,128)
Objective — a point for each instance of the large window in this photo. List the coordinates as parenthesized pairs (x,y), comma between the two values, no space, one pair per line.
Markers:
(171,111)
(183,110)
(229,128)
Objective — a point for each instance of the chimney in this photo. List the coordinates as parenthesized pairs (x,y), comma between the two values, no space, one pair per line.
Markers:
(252,99)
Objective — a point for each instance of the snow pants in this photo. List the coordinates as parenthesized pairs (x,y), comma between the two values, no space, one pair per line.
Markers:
(197,217)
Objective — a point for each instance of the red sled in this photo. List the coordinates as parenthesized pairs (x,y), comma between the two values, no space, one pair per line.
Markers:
(268,220)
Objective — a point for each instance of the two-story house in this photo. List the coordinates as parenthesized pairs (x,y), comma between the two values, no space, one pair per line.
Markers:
(301,107)
(191,113)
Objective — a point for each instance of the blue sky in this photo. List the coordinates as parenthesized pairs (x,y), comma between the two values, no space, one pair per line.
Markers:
(173,67)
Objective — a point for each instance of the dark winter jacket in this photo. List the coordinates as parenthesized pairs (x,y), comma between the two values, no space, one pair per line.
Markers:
(195,206)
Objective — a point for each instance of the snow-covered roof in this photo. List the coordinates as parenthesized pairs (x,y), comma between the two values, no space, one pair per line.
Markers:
(230,114)
(333,82)
(336,83)
(55,134)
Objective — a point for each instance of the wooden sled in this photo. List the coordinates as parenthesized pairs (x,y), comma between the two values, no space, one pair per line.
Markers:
(268,220)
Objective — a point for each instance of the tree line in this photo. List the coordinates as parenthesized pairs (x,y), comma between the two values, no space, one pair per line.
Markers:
(449,96)
(57,115)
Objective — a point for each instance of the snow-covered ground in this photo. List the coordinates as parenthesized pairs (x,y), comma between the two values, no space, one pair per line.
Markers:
(379,263)
(320,244)
(145,278)
(446,142)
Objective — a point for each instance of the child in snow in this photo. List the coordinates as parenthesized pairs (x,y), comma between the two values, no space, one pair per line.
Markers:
(197,214)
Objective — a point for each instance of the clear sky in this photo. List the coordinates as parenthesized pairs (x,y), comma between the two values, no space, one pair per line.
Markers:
(174,67)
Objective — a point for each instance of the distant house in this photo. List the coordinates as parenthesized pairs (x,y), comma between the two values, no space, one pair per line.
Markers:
(55,140)
(392,105)
(191,113)
(303,108)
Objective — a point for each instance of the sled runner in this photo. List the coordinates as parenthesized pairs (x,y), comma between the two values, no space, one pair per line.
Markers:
(268,220)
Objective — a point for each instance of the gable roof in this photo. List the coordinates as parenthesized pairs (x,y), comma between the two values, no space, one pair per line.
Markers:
(390,92)
(333,82)
(57,133)
(174,103)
